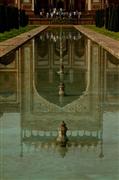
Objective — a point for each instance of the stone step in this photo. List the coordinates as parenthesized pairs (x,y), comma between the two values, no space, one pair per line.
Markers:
(46,21)
(87,17)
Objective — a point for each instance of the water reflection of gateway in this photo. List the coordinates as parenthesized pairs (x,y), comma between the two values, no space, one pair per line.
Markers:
(40,117)
(83,114)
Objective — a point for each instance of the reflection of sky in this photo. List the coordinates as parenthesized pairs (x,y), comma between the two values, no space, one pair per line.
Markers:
(43,164)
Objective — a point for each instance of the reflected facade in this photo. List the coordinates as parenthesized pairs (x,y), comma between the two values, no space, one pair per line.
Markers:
(30,87)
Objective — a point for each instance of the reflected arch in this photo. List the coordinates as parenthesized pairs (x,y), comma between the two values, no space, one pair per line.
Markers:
(46,66)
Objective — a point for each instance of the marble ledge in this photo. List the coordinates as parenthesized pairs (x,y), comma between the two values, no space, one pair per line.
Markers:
(15,42)
(109,44)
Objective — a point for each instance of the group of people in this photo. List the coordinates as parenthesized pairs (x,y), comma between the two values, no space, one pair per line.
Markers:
(59,13)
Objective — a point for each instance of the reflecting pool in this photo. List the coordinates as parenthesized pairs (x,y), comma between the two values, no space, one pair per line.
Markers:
(60,75)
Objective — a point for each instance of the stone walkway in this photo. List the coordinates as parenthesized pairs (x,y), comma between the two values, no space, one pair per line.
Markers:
(107,43)
(13,43)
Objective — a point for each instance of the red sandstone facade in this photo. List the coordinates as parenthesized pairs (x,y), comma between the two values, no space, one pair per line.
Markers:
(87,7)
(82,5)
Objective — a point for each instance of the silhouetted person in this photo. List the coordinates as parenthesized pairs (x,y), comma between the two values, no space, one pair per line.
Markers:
(62,137)
(63,129)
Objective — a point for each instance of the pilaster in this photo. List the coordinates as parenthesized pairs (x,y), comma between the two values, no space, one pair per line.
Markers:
(89,5)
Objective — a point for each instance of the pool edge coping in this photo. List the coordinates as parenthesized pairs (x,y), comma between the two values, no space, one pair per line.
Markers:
(109,44)
(13,43)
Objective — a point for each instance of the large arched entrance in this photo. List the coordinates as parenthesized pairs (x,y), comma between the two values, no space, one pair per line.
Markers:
(60,4)
(65,4)
(79,5)
(41,4)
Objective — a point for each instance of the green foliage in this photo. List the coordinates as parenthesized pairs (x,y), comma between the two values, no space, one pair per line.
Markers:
(114,35)
(15,32)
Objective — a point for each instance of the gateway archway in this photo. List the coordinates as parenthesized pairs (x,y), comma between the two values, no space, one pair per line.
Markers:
(65,4)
